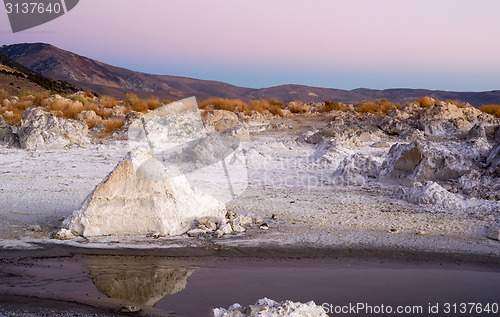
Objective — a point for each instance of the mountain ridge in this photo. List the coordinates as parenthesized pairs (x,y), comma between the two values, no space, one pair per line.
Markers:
(105,79)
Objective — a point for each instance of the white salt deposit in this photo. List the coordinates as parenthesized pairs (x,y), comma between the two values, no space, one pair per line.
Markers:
(432,193)
(265,307)
(357,169)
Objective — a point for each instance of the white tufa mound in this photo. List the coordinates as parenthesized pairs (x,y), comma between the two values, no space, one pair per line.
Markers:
(268,308)
(140,197)
(41,130)
(432,193)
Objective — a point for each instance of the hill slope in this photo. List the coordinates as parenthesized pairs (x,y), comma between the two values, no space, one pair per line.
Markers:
(102,78)
(16,79)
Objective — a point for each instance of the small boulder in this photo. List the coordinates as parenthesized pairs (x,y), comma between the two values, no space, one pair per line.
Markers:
(64,234)
(222,120)
(223,230)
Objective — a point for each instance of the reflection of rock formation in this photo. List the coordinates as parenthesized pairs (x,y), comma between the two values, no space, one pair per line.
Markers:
(142,280)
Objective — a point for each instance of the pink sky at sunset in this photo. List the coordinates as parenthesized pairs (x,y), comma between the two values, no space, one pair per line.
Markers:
(448,45)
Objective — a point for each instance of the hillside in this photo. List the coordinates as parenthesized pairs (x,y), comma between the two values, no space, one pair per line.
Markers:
(16,79)
(105,79)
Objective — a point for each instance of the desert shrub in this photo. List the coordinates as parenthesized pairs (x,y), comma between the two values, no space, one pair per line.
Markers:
(332,105)
(258,105)
(112,124)
(89,95)
(153,103)
(275,102)
(108,102)
(104,112)
(491,109)
(425,102)
(77,98)
(39,97)
(92,122)
(91,106)
(12,116)
(135,103)
(297,107)
(69,109)
(262,105)
(166,101)
(276,110)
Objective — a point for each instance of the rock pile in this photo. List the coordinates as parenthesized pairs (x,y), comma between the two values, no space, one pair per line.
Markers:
(40,130)
(437,149)
(232,223)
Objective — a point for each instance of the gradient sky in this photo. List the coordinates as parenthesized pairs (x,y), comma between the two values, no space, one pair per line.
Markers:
(347,44)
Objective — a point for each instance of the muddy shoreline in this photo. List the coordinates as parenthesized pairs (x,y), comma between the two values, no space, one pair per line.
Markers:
(61,280)
(365,253)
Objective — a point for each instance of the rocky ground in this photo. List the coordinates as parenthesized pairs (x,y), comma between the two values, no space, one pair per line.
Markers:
(415,179)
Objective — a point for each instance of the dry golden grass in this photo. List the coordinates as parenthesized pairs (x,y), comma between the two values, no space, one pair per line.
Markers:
(88,94)
(69,108)
(276,102)
(276,110)
(425,102)
(331,106)
(491,109)
(108,102)
(378,107)
(234,105)
(77,98)
(113,124)
(153,103)
(135,103)
(104,113)
(297,107)
(272,106)
(92,122)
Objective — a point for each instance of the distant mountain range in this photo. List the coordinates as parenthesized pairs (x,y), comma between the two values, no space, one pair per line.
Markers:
(105,79)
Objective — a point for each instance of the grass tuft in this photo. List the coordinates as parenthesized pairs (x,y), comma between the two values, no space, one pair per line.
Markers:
(491,109)
(331,106)
(112,124)
(425,102)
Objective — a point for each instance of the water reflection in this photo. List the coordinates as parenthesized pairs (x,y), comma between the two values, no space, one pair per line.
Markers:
(142,280)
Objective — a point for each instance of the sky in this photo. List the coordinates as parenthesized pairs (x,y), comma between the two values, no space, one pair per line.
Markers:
(344,44)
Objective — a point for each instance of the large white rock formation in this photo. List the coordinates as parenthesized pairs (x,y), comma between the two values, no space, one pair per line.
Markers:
(139,197)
